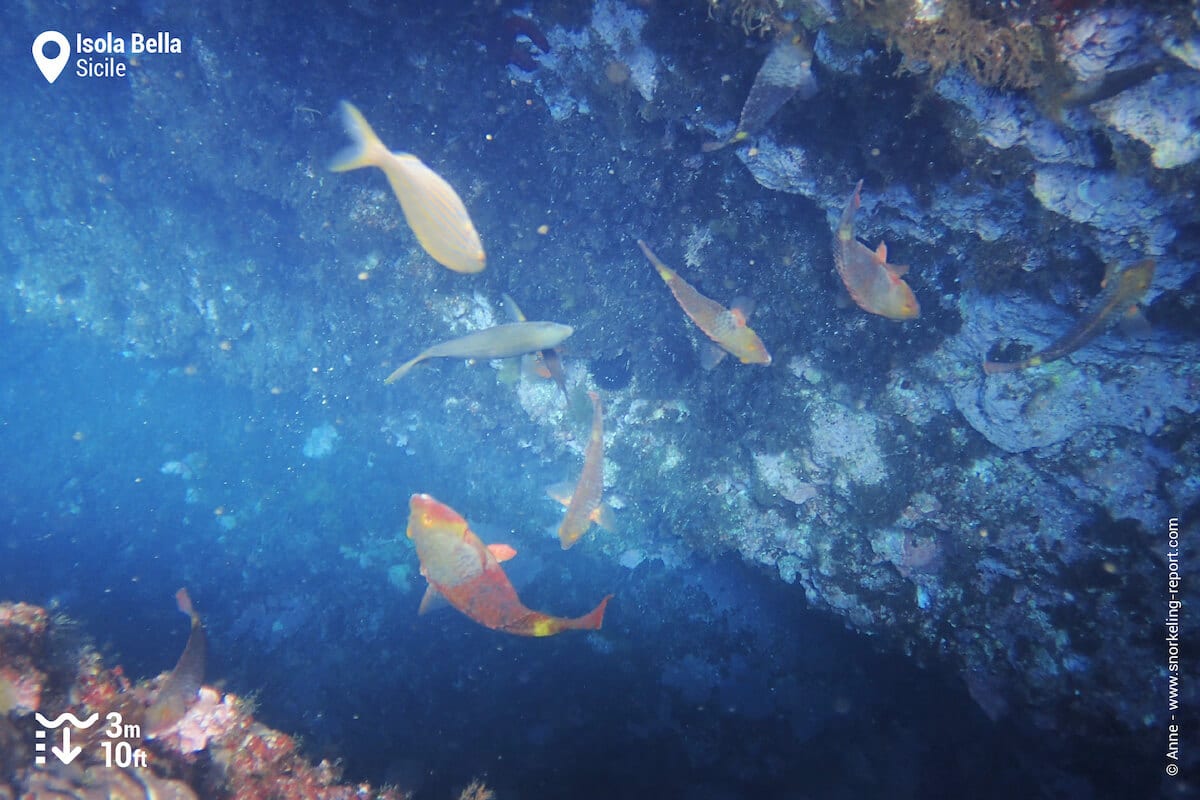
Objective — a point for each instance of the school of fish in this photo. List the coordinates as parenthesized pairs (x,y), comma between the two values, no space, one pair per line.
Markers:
(463,572)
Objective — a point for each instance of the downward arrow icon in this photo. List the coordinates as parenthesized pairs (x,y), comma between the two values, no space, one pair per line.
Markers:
(66,754)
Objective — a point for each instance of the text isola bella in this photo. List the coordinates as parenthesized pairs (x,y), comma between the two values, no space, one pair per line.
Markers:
(86,66)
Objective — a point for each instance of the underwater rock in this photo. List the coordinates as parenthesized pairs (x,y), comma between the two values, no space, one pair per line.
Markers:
(245,758)
(1118,207)
(1007,120)
(1046,405)
(781,474)
(846,443)
(609,48)
(1100,41)
(1164,113)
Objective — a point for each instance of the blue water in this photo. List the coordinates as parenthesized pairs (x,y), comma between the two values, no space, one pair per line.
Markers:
(183,310)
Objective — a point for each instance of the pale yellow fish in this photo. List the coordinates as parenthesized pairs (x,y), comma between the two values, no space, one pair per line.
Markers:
(502,341)
(433,210)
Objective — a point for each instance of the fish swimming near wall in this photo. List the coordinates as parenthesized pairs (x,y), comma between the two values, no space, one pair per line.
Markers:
(433,210)
(502,341)
(584,504)
(179,689)
(787,71)
(468,575)
(604,516)
(549,359)
(1122,290)
(874,284)
(725,326)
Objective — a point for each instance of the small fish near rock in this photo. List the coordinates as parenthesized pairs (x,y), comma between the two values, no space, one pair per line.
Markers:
(875,285)
(1122,290)
(725,326)
(787,71)
(584,505)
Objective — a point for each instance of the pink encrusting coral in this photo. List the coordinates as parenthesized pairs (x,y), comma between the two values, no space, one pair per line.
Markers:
(246,759)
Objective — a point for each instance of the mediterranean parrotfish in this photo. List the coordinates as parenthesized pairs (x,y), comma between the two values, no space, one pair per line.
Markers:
(1122,290)
(179,689)
(549,359)
(787,71)
(468,575)
(433,210)
(584,504)
(725,326)
(874,284)
(604,516)
(500,341)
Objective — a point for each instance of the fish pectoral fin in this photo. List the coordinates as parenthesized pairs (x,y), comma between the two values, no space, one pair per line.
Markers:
(501,552)
(742,307)
(1134,324)
(605,518)
(1110,270)
(432,600)
(561,492)
(711,355)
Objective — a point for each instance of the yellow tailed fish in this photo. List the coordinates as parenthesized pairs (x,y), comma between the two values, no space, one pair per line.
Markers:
(786,71)
(1122,290)
(433,210)
(725,326)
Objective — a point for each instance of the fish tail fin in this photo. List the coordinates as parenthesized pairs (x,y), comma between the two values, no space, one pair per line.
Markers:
(663,270)
(592,620)
(403,369)
(184,601)
(366,150)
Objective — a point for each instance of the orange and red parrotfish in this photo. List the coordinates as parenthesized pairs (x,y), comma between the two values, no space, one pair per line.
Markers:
(179,689)
(877,286)
(585,500)
(468,575)
(432,208)
(725,326)
(1122,290)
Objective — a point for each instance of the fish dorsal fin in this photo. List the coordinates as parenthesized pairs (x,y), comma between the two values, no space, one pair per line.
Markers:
(897,270)
(1134,324)
(432,600)
(561,492)
(511,307)
(1110,272)
(604,517)
(881,253)
(501,552)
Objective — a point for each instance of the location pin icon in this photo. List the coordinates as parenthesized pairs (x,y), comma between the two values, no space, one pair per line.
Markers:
(51,67)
